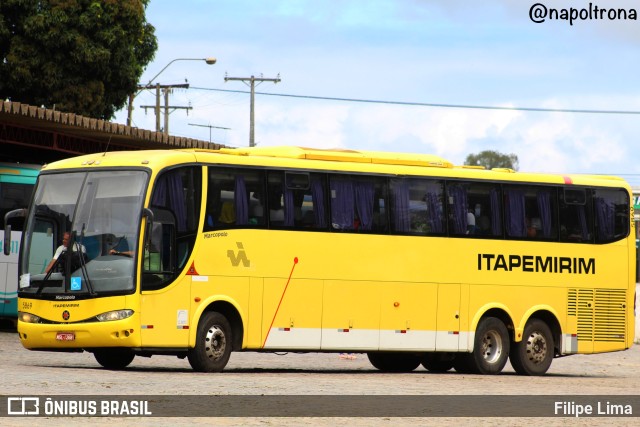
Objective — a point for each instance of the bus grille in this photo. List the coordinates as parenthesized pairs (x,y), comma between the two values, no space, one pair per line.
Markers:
(601,313)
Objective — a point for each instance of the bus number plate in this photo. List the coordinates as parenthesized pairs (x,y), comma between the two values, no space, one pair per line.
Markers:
(65,336)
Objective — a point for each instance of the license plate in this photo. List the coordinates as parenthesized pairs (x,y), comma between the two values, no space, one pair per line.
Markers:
(65,336)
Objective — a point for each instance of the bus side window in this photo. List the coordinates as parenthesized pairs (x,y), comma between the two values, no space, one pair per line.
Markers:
(576,215)
(234,198)
(530,212)
(485,209)
(611,214)
(460,222)
(356,203)
(416,206)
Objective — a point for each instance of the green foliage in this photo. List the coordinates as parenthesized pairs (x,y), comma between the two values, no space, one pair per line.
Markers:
(81,56)
(492,159)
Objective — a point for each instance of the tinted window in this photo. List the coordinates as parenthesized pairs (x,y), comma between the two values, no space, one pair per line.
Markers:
(235,198)
(416,206)
(358,203)
(530,212)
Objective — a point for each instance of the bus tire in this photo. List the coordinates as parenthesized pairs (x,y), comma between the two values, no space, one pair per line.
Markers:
(490,348)
(534,354)
(114,358)
(438,362)
(394,362)
(213,344)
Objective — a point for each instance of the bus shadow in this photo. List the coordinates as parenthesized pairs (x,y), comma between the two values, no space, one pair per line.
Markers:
(345,371)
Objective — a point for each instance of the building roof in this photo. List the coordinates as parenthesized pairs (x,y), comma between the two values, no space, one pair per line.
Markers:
(37,135)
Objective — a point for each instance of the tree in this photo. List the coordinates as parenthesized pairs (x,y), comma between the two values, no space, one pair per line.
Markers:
(80,56)
(492,159)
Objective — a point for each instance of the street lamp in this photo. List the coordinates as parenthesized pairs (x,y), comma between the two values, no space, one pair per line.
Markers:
(209,61)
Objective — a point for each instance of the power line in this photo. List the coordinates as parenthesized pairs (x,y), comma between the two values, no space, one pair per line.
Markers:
(208,126)
(166,89)
(426,104)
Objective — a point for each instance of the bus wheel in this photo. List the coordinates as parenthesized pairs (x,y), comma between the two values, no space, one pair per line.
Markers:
(490,348)
(438,362)
(533,355)
(213,344)
(114,358)
(394,362)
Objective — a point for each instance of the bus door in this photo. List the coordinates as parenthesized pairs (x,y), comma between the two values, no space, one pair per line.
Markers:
(9,276)
(164,314)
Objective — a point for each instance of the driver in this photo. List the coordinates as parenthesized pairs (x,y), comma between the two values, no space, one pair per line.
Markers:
(62,248)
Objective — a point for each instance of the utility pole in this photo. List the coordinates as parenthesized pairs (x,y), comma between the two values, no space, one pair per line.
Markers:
(251,82)
(166,89)
(209,60)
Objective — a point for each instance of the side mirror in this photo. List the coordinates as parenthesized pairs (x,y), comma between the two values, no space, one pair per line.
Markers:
(16,213)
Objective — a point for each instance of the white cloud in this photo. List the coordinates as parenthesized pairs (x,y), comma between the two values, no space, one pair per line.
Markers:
(449,52)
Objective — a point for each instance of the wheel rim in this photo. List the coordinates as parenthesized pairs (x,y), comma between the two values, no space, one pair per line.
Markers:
(491,346)
(536,347)
(215,343)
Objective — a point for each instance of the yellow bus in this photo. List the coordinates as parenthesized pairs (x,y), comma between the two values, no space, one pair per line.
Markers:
(404,257)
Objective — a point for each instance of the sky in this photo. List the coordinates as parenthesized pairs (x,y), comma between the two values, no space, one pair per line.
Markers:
(399,72)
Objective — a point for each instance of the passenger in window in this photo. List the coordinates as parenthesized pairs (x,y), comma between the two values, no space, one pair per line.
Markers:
(63,249)
(532,232)
(276,211)
(227,213)
(471,222)
(257,209)
(121,248)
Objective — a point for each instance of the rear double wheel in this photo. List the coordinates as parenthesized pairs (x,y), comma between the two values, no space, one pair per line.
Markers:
(490,349)
(534,354)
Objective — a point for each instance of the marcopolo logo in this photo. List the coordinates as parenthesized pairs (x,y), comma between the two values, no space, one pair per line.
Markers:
(241,256)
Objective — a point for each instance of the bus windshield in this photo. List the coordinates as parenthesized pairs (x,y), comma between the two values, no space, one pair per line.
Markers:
(97,214)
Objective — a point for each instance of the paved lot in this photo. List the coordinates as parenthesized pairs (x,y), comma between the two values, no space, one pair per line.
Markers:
(23,372)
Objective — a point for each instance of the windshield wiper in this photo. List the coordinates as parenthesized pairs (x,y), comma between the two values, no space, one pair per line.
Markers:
(83,264)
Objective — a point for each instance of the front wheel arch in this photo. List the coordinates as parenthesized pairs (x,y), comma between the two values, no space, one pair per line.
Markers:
(228,310)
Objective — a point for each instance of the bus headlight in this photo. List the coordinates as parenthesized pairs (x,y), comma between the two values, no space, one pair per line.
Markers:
(28,317)
(114,315)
